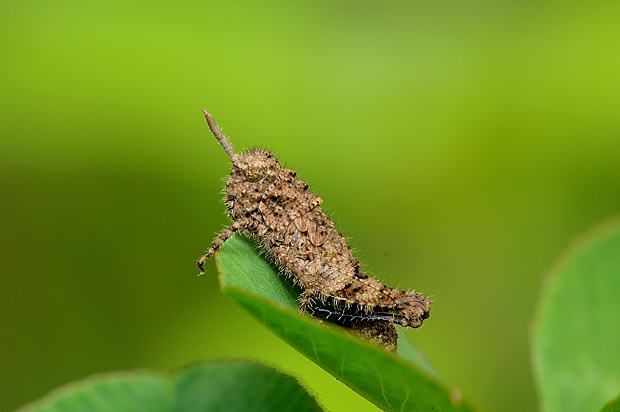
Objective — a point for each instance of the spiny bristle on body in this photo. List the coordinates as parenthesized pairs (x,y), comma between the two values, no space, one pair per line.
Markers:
(268,202)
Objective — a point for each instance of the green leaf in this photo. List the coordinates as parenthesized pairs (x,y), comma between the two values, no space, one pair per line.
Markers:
(217,386)
(612,406)
(576,338)
(392,382)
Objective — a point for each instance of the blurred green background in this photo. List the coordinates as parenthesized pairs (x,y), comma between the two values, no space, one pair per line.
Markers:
(460,146)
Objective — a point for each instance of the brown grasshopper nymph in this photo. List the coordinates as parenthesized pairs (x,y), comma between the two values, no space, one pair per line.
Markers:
(268,202)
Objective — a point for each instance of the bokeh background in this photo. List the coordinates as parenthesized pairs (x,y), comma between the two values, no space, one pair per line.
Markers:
(461,146)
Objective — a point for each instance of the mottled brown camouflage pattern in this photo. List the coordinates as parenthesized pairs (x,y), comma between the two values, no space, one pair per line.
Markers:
(266,201)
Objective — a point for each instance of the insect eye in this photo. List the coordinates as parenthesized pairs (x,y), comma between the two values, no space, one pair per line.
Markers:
(254,175)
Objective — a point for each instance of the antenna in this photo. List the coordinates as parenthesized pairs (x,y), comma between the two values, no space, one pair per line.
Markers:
(218,134)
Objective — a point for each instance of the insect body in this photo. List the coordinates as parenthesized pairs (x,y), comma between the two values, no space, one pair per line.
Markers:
(267,201)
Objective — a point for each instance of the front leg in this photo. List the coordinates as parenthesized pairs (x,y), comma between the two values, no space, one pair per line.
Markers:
(219,241)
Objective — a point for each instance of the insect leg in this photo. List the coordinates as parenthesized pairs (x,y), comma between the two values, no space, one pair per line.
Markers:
(306,299)
(382,333)
(219,241)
